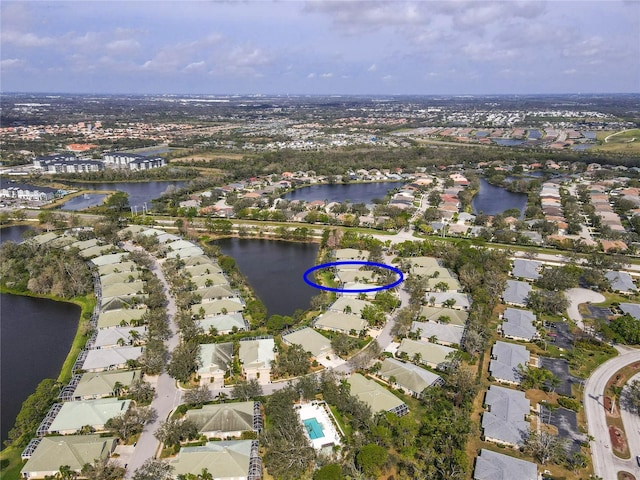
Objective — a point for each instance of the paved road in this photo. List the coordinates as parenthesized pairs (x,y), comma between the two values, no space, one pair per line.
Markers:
(631,421)
(605,463)
(168,396)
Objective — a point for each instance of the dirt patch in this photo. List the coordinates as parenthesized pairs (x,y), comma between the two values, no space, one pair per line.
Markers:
(607,404)
(618,439)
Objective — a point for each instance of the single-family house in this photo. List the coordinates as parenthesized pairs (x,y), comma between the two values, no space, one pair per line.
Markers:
(103,384)
(409,377)
(519,324)
(621,282)
(505,422)
(378,398)
(340,322)
(226,460)
(526,269)
(215,359)
(311,341)
(427,353)
(256,357)
(506,358)
(94,413)
(516,292)
(74,451)
(226,420)
(498,466)
(442,333)
(114,358)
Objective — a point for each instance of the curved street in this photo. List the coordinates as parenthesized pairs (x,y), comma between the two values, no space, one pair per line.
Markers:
(605,463)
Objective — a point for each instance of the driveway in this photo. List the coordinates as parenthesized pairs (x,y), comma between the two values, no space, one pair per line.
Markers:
(560,368)
(576,296)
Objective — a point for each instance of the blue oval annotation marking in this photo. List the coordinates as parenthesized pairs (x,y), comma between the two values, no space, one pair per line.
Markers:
(353,262)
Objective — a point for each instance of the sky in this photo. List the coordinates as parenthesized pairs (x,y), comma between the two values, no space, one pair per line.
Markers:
(339,47)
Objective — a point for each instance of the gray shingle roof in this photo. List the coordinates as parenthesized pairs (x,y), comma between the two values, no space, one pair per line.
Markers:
(505,358)
(632,309)
(519,324)
(497,466)
(527,269)
(516,292)
(504,419)
(621,281)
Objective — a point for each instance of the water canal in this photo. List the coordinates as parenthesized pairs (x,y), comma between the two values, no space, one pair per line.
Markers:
(274,269)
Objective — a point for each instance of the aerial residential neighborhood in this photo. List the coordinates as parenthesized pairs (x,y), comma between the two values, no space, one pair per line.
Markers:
(353,240)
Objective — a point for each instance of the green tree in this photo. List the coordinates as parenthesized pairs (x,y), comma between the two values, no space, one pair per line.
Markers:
(247,389)
(185,360)
(333,471)
(153,469)
(371,458)
(173,431)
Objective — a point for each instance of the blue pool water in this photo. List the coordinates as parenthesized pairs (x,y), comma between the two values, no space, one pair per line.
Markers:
(314,429)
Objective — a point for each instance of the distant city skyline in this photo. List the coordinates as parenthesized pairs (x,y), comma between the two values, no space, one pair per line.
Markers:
(320,47)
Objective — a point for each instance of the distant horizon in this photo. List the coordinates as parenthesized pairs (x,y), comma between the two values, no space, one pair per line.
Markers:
(320,47)
(258,95)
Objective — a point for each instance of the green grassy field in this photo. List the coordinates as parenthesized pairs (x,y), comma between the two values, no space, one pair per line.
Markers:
(620,142)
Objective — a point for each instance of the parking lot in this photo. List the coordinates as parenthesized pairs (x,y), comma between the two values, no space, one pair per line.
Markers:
(560,368)
(567,424)
(560,335)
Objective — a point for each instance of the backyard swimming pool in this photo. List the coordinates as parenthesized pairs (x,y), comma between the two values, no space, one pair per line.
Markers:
(314,429)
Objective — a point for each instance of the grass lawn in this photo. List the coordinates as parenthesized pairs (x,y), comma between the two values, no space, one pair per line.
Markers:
(12,472)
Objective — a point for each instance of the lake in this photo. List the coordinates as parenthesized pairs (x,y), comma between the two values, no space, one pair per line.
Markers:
(354,192)
(274,269)
(36,336)
(139,192)
(493,200)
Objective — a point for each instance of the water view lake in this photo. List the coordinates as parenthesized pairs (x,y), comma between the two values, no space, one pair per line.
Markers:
(354,192)
(36,336)
(493,200)
(139,192)
(274,269)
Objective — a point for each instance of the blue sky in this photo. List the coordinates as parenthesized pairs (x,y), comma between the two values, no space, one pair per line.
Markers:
(320,47)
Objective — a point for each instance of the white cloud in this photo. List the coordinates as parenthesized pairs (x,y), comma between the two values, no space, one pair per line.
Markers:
(123,46)
(195,67)
(372,68)
(12,63)
(311,75)
(26,40)
(327,75)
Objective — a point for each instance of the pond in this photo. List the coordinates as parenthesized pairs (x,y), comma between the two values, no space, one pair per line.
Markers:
(84,201)
(36,336)
(493,200)
(274,269)
(13,233)
(339,192)
(139,192)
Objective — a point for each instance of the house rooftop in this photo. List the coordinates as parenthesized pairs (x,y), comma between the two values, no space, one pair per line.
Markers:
(72,450)
(224,460)
(527,269)
(224,417)
(408,375)
(75,415)
(310,340)
(505,359)
(516,292)
(519,324)
(621,281)
(504,421)
(257,353)
(378,398)
(498,466)
(443,332)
